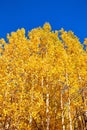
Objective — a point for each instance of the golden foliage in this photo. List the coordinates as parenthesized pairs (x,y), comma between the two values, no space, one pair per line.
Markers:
(43,79)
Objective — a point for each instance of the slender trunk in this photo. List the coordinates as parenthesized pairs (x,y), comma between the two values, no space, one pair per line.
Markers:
(55,111)
(47,103)
(42,85)
(69,102)
(32,89)
(30,121)
(70,119)
(63,125)
(84,97)
(47,109)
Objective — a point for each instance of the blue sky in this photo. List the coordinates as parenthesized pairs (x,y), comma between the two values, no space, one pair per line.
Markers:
(69,14)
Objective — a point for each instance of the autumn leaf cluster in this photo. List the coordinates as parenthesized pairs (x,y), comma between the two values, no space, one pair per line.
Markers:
(43,79)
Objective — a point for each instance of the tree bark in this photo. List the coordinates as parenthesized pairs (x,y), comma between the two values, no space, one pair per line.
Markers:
(63,123)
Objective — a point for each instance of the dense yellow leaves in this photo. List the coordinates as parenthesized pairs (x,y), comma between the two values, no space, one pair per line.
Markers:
(85,41)
(47,27)
(43,79)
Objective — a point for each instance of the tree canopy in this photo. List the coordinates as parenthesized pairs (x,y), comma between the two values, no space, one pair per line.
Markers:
(43,80)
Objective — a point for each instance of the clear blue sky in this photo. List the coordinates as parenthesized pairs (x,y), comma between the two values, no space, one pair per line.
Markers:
(69,14)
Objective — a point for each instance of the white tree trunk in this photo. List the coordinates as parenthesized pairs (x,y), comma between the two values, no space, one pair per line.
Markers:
(47,108)
(70,119)
(55,111)
(47,111)
(32,96)
(63,125)
(69,104)
(42,85)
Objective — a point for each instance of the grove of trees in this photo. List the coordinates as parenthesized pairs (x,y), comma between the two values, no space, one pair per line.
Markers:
(43,80)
